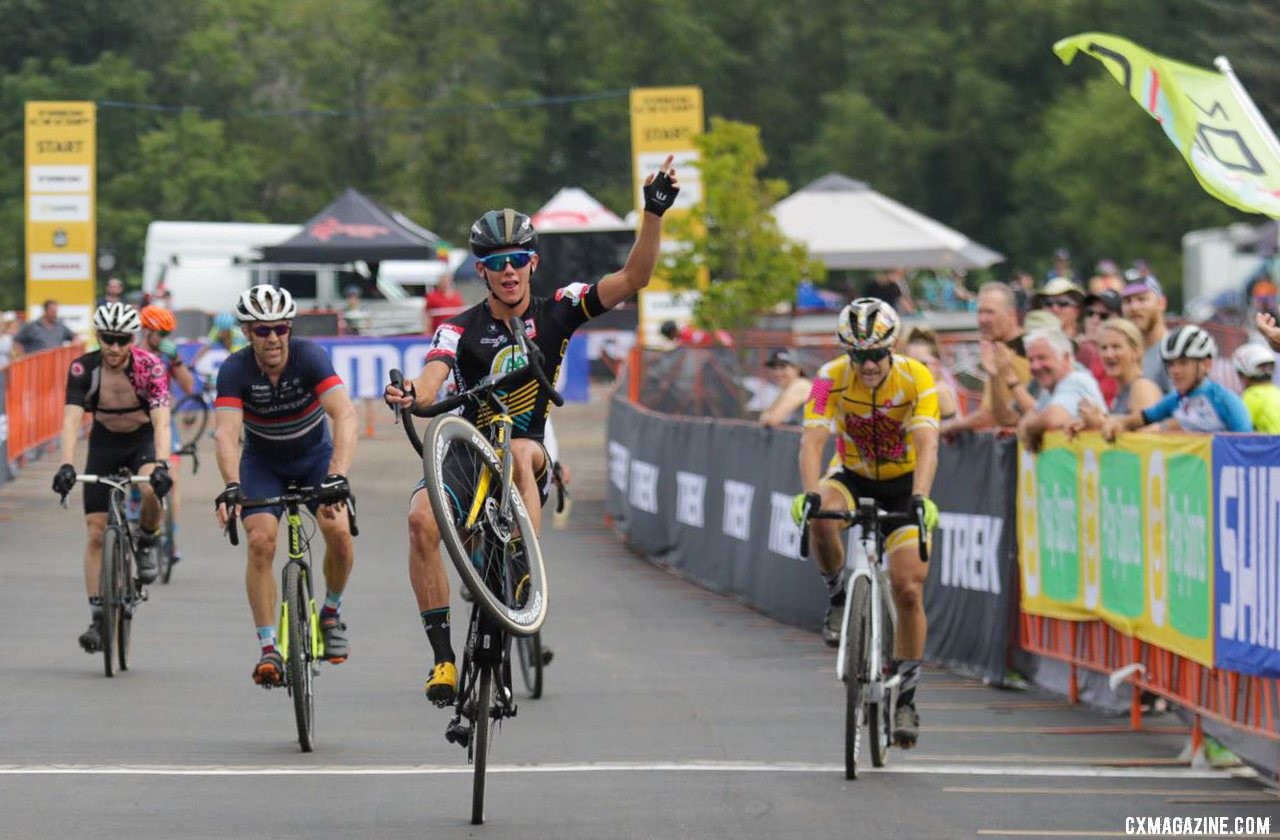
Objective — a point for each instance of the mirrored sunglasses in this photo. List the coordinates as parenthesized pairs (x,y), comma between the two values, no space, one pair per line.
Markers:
(860,356)
(278,329)
(497,262)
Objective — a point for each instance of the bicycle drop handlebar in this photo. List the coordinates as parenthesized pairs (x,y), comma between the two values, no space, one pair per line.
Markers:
(299,497)
(482,390)
(869,515)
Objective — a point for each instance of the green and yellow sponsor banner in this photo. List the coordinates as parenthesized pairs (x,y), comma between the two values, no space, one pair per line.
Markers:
(61,174)
(1121,532)
(1206,114)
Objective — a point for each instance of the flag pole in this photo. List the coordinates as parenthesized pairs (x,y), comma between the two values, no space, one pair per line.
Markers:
(1250,109)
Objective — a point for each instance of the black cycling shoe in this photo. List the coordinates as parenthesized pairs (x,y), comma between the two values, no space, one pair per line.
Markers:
(831,624)
(91,639)
(148,559)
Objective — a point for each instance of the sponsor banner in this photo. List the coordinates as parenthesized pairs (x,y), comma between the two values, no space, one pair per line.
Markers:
(664,122)
(972,565)
(1205,114)
(1121,532)
(60,162)
(1246,555)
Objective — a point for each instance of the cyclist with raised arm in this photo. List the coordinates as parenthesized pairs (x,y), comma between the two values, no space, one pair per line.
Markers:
(126,390)
(276,393)
(158,324)
(478,343)
(884,410)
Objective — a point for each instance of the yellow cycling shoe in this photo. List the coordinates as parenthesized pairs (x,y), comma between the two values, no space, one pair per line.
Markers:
(442,688)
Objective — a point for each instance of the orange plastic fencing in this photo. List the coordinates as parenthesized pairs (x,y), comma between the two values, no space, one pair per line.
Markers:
(34,396)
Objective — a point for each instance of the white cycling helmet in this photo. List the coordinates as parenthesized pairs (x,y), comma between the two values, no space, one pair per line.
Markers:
(116,318)
(1249,360)
(868,324)
(1188,342)
(265,302)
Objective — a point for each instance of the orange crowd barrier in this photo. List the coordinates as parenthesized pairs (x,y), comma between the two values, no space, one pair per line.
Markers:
(34,397)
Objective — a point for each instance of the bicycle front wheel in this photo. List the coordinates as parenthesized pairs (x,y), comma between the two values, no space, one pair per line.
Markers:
(167,547)
(482,735)
(124,613)
(496,552)
(192,418)
(855,672)
(296,617)
(880,715)
(529,650)
(109,595)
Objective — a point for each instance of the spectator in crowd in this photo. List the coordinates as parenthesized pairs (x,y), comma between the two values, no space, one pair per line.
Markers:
(1023,284)
(352,312)
(1120,345)
(1142,301)
(1106,277)
(1267,326)
(1256,365)
(1196,403)
(114,292)
(8,327)
(1098,308)
(921,344)
(1000,347)
(443,302)
(1064,299)
(793,390)
(1063,387)
(1062,269)
(44,333)
(890,287)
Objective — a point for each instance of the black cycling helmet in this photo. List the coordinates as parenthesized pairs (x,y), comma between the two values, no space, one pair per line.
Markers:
(500,230)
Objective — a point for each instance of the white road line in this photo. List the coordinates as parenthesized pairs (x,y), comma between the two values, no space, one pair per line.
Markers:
(1065,771)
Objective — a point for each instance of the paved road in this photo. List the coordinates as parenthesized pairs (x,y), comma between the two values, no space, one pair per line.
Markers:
(669,712)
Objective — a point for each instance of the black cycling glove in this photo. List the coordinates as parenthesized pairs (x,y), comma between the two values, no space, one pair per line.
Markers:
(64,479)
(161,481)
(230,496)
(660,194)
(333,489)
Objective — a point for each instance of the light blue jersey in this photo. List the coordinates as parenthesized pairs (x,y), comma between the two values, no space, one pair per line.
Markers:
(1208,407)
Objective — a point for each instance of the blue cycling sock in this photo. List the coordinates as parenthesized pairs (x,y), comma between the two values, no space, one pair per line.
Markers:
(332,603)
(267,638)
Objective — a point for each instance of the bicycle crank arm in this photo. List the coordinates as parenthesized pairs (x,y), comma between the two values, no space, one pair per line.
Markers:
(458,733)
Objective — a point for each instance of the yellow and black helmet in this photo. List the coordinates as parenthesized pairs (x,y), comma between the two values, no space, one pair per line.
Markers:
(501,230)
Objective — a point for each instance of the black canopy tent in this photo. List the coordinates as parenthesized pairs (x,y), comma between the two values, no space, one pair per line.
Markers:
(355,227)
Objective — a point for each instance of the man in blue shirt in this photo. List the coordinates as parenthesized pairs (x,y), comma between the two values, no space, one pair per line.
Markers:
(1196,403)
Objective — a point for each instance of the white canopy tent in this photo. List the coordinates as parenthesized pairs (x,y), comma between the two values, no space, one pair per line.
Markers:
(847,225)
(573,210)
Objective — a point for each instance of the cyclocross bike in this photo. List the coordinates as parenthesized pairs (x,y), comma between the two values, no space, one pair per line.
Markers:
(489,536)
(865,655)
(118,587)
(298,636)
(168,543)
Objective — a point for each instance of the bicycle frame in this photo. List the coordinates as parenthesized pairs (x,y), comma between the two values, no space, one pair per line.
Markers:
(298,557)
(867,562)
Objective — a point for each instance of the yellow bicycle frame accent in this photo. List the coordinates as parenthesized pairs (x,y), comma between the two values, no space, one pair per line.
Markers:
(502,422)
(294,521)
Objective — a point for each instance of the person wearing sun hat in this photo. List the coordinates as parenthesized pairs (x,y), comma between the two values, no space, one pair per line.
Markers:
(785,372)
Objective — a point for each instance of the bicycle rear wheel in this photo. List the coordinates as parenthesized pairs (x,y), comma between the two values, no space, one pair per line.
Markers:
(297,619)
(855,672)
(481,736)
(497,555)
(880,715)
(108,593)
(192,418)
(529,650)
(166,548)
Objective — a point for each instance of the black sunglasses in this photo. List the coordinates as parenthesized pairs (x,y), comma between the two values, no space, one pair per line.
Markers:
(278,329)
(497,262)
(1097,313)
(115,339)
(860,356)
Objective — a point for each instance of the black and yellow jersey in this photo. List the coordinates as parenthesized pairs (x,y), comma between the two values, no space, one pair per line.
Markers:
(873,426)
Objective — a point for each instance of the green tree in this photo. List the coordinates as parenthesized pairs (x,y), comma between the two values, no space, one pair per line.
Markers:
(731,235)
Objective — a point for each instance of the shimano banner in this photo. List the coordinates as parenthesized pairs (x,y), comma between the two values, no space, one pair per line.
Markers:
(969,596)
(711,500)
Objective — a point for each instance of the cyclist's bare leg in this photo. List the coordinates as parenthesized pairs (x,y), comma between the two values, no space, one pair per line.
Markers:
(339,550)
(259,581)
(426,568)
(528,459)
(906,578)
(95,525)
(827,535)
(149,518)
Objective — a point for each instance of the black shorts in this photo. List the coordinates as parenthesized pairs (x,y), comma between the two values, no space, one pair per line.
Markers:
(893,496)
(108,452)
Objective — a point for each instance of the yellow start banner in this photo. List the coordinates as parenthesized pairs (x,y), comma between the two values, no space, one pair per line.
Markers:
(1121,532)
(664,122)
(61,174)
